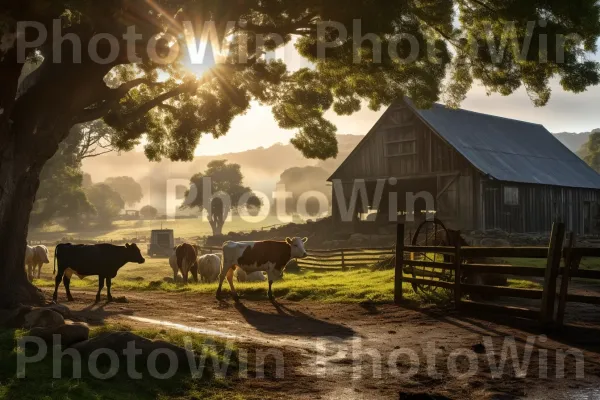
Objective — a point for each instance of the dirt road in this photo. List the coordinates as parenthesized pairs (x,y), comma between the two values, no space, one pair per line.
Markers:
(367,351)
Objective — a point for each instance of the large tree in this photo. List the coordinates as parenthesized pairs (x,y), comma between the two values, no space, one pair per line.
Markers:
(106,201)
(220,178)
(173,107)
(127,187)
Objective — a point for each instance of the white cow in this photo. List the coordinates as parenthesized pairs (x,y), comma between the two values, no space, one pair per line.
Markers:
(257,276)
(209,267)
(35,257)
(268,256)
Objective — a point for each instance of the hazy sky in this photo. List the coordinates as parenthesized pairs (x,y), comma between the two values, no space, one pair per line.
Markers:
(565,112)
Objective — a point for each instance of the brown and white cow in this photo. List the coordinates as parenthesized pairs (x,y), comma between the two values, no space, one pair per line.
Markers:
(269,256)
(184,260)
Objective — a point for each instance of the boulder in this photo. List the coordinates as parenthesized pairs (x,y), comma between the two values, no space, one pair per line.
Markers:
(14,318)
(70,333)
(118,341)
(61,309)
(43,318)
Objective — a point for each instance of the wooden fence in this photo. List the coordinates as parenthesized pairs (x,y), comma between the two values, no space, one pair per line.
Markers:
(334,259)
(563,261)
(472,260)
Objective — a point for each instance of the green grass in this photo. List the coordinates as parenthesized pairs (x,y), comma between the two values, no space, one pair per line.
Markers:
(353,286)
(40,384)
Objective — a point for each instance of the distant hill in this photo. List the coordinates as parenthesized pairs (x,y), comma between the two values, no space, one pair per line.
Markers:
(262,167)
(574,141)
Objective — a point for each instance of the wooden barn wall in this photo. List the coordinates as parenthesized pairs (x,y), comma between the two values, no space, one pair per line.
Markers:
(373,160)
(538,206)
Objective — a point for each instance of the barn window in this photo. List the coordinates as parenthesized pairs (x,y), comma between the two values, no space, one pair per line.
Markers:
(400,142)
(511,196)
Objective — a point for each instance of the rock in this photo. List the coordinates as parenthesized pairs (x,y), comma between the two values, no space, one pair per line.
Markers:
(14,318)
(61,309)
(70,333)
(43,318)
(118,341)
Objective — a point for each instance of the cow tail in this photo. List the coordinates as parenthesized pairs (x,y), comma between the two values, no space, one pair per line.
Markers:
(55,255)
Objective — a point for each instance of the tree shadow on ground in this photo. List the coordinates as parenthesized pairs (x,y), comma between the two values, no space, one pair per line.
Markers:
(291,322)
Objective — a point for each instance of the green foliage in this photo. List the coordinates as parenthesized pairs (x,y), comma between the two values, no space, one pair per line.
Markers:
(148,212)
(61,194)
(127,187)
(106,201)
(226,178)
(497,43)
(591,151)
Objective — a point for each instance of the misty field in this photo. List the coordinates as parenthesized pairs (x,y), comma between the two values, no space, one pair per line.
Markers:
(183,228)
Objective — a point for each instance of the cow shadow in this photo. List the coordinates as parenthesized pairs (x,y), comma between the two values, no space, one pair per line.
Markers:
(291,322)
(96,314)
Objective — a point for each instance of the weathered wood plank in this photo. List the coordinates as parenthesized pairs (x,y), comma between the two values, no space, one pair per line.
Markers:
(514,270)
(502,291)
(504,252)
(398,276)
(552,265)
(442,284)
(564,283)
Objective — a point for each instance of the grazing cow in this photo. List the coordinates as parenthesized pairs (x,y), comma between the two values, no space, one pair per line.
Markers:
(209,267)
(256,276)
(35,257)
(184,261)
(268,256)
(103,260)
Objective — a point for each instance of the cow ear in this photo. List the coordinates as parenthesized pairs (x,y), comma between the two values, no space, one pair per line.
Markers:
(288,240)
(127,245)
(304,240)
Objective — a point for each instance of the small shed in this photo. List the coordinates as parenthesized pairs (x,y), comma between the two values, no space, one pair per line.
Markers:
(476,171)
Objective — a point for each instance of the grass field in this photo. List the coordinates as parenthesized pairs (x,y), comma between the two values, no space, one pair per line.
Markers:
(39,382)
(353,286)
(184,228)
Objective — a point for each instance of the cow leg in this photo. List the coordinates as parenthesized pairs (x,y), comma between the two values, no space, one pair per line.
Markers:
(270,291)
(230,280)
(57,279)
(222,275)
(108,284)
(67,282)
(39,272)
(100,287)
(195,273)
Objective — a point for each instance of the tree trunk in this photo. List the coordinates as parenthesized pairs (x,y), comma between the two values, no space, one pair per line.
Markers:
(18,185)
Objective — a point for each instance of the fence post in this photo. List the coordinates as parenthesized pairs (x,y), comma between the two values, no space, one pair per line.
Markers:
(343,261)
(564,282)
(457,270)
(399,263)
(552,267)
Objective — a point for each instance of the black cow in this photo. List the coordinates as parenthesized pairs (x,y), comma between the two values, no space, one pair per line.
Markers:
(103,260)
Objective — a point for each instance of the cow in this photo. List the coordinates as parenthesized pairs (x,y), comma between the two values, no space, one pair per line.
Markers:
(257,276)
(209,267)
(269,256)
(103,260)
(35,257)
(184,260)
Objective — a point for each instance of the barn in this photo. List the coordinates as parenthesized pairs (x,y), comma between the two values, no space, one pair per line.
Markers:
(472,171)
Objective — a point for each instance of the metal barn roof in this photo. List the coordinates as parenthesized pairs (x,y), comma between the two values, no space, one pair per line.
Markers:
(509,150)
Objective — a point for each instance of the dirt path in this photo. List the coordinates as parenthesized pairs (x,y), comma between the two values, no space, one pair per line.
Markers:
(329,348)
